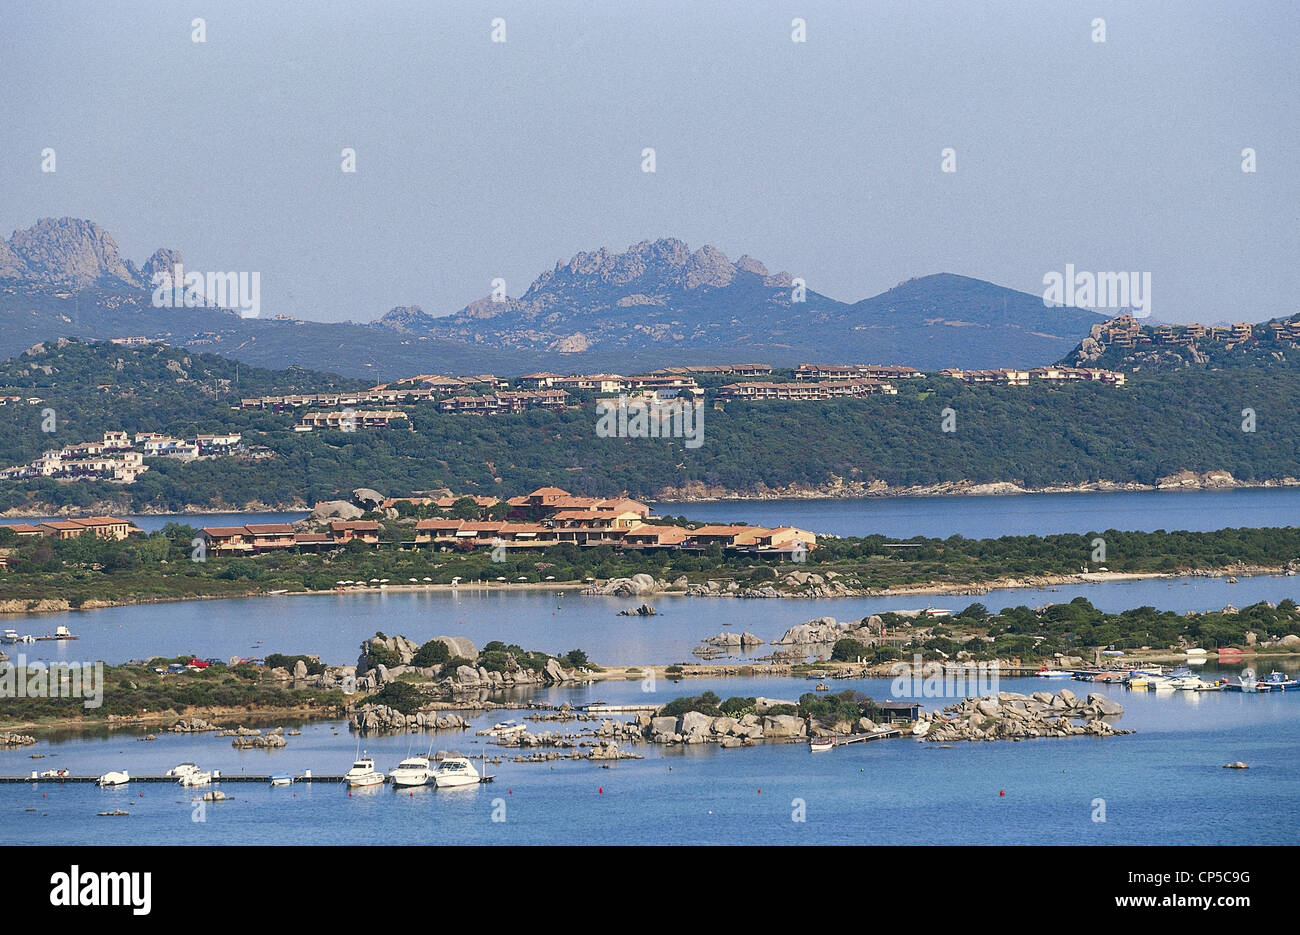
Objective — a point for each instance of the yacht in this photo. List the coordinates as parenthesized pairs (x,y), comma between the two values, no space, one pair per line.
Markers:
(412,771)
(363,773)
(455,771)
(114,778)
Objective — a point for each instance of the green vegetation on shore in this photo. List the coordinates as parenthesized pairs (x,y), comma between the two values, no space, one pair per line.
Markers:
(137,690)
(1036,436)
(159,566)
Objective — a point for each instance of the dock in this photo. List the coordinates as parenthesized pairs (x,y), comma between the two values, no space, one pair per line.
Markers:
(599,708)
(172,780)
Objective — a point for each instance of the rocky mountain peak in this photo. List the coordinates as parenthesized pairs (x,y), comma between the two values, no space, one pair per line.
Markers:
(74,253)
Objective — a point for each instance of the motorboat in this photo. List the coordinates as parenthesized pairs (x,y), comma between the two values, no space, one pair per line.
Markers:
(504,729)
(821,745)
(1046,673)
(455,771)
(196,777)
(181,769)
(281,779)
(1280,681)
(114,778)
(55,774)
(363,773)
(412,771)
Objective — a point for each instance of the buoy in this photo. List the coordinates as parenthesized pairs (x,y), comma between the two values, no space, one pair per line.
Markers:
(412,795)
(349,795)
(760,791)
(1002,792)
(601,790)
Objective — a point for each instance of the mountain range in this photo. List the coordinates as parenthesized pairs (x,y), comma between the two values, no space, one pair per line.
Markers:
(656,304)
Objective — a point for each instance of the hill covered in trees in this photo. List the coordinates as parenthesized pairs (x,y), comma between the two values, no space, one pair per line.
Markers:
(1036,436)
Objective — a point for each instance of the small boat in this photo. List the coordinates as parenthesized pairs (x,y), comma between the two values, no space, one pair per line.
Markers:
(1280,681)
(55,774)
(1196,652)
(114,778)
(1112,652)
(455,771)
(1046,673)
(195,778)
(412,771)
(821,745)
(504,729)
(60,633)
(10,636)
(181,769)
(281,779)
(1137,681)
(363,773)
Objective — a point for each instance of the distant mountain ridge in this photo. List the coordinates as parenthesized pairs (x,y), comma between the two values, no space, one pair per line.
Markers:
(658,303)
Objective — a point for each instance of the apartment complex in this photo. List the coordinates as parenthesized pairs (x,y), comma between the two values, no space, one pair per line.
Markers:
(105,527)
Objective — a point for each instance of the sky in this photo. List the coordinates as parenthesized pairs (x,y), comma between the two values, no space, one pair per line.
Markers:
(478,159)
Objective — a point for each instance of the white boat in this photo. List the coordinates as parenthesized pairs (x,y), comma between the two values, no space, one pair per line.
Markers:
(114,778)
(824,745)
(196,778)
(181,769)
(281,779)
(412,771)
(10,636)
(504,729)
(1046,673)
(455,771)
(363,773)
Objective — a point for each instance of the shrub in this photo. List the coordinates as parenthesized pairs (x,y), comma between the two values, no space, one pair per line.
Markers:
(848,650)
(432,653)
(381,655)
(706,703)
(575,659)
(401,696)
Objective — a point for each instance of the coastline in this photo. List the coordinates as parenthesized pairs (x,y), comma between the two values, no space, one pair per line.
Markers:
(975,588)
(838,489)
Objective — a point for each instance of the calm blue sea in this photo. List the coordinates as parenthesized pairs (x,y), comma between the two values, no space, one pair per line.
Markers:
(1164,785)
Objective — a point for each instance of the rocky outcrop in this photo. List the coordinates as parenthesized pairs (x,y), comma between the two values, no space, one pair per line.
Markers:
(730,640)
(69,252)
(10,739)
(635,586)
(645,610)
(1013,716)
(378,719)
(331,509)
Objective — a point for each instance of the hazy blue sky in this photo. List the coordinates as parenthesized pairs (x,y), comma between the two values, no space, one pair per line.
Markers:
(477,159)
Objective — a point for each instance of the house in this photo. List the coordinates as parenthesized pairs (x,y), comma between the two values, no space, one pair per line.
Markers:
(228,540)
(22,529)
(539,381)
(646,536)
(62,529)
(271,536)
(900,713)
(108,527)
(367,530)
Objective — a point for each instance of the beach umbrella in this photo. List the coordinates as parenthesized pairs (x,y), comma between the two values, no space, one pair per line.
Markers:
(550,577)
(501,579)
(428,579)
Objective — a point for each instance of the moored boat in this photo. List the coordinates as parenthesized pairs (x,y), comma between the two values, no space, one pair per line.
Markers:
(1046,673)
(363,773)
(412,771)
(821,745)
(281,779)
(455,771)
(114,778)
